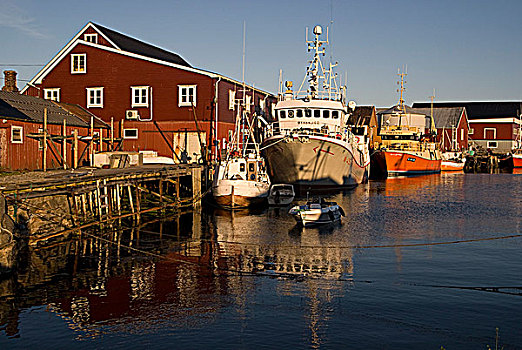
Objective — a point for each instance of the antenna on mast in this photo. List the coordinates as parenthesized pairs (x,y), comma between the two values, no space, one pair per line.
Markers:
(243,65)
(331,26)
(432,126)
(402,88)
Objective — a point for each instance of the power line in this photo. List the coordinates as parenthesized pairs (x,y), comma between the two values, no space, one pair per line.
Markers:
(20,65)
(16,79)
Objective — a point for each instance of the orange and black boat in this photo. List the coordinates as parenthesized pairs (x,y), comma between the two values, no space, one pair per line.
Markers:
(406,148)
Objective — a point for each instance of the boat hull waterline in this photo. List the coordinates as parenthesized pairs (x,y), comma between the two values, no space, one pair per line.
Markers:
(448,165)
(314,161)
(310,216)
(403,163)
(240,193)
(517,160)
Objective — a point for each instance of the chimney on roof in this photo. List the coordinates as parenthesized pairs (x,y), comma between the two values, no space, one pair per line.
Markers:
(10,81)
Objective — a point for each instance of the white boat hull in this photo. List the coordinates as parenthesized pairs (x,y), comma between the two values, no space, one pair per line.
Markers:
(309,216)
(315,161)
(239,193)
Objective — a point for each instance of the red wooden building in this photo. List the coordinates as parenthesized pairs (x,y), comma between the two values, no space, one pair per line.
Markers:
(452,126)
(21,129)
(492,125)
(156,99)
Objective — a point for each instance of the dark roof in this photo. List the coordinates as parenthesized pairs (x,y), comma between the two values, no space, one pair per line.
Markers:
(481,110)
(83,114)
(33,110)
(9,112)
(130,44)
(361,115)
(396,109)
(443,117)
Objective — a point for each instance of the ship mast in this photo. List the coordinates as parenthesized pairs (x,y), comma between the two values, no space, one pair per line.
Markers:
(432,120)
(315,67)
(401,90)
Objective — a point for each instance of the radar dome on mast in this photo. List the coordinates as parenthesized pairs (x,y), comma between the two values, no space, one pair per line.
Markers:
(318,30)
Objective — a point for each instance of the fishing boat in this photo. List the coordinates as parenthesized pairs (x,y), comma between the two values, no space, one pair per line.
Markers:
(517,158)
(281,194)
(406,149)
(517,153)
(452,161)
(310,143)
(317,212)
(241,180)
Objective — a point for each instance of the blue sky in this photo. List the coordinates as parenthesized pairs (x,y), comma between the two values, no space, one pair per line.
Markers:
(465,50)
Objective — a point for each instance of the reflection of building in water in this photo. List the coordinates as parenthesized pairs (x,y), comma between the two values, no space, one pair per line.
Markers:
(123,277)
(142,281)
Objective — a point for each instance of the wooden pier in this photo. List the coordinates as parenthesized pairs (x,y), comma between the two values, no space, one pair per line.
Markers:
(54,203)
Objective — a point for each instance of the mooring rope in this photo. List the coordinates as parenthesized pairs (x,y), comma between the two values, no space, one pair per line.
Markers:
(374,246)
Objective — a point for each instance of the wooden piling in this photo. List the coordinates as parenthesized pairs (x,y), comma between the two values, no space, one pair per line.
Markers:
(45,140)
(75,147)
(64,144)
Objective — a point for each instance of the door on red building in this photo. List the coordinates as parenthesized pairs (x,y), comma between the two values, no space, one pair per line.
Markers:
(3,148)
(490,133)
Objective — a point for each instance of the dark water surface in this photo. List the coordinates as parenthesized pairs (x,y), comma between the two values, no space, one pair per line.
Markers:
(418,263)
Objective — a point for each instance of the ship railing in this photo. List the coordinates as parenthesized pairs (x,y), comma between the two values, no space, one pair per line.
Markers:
(409,147)
(344,135)
(333,95)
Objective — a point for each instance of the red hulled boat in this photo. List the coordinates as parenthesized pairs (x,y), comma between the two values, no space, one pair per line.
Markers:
(405,148)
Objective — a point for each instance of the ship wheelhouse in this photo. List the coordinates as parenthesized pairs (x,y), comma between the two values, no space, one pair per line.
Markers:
(319,115)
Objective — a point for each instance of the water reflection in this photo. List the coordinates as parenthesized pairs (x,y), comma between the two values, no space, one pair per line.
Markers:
(191,270)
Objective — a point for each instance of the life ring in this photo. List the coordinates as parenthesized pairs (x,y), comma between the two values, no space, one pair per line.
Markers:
(357,139)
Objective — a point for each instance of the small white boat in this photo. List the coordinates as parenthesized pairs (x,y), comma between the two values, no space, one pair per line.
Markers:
(281,194)
(453,161)
(317,212)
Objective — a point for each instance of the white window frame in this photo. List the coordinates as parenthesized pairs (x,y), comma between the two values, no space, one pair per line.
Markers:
(248,102)
(183,92)
(127,137)
(231,99)
(490,129)
(52,94)
(471,131)
(98,100)
(91,38)
(80,57)
(141,92)
(490,142)
(40,140)
(461,134)
(14,127)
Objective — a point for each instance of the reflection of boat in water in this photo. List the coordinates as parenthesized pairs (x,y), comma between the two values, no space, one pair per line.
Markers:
(281,194)
(317,212)
(242,245)
(311,144)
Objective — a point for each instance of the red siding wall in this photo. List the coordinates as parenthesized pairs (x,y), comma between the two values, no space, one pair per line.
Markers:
(504,131)
(27,156)
(117,73)
(462,135)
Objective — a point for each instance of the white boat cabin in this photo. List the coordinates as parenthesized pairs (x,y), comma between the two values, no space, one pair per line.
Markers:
(320,116)
(240,168)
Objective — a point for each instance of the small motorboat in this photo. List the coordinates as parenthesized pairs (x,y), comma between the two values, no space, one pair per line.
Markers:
(281,194)
(317,212)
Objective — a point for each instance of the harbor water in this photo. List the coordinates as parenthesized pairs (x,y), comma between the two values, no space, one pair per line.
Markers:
(417,263)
